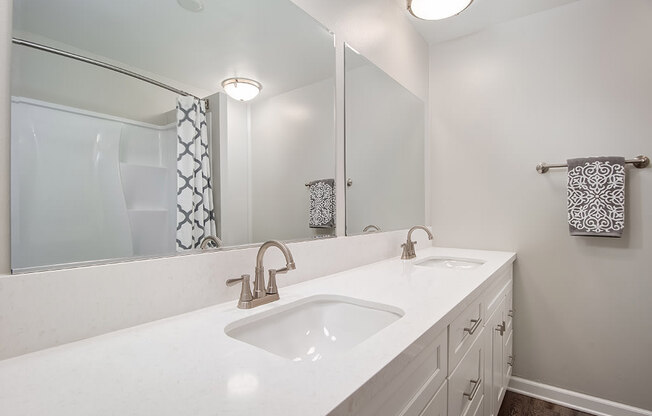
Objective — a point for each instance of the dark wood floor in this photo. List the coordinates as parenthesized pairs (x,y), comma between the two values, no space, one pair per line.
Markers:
(518,405)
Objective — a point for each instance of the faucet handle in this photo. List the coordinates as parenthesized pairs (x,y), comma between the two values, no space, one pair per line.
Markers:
(245,293)
(271,283)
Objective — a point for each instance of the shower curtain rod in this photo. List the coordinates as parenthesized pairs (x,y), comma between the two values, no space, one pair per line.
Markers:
(101,64)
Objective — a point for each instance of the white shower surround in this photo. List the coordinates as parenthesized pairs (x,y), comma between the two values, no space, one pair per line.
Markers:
(116,176)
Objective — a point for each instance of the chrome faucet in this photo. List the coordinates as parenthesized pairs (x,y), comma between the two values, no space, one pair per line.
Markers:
(408,246)
(261,294)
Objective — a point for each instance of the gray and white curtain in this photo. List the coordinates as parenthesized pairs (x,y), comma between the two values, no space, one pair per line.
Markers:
(195,215)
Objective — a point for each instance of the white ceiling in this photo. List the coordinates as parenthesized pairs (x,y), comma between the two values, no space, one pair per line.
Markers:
(480,15)
(272,41)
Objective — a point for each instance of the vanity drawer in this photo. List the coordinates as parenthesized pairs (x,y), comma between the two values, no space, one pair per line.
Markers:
(466,384)
(406,385)
(463,331)
(438,405)
(496,292)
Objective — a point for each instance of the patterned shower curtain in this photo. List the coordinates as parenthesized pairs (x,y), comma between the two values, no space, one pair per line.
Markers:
(195,215)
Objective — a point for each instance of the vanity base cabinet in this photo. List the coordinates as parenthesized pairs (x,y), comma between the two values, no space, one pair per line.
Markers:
(461,371)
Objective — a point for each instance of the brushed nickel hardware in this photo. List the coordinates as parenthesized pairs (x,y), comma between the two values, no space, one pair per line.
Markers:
(510,313)
(101,64)
(259,280)
(371,228)
(639,162)
(511,361)
(211,242)
(349,182)
(474,390)
(245,294)
(261,295)
(501,328)
(408,246)
(272,289)
(476,324)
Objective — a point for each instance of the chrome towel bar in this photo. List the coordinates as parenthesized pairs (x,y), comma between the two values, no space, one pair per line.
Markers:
(639,162)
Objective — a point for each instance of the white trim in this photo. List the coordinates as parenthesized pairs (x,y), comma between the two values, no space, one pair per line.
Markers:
(574,400)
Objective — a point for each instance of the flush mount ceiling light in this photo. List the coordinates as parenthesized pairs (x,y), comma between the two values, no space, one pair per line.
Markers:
(192,5)
(242,89)
(436,9)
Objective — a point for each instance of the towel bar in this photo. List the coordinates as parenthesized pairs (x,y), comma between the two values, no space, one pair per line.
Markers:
(639,162)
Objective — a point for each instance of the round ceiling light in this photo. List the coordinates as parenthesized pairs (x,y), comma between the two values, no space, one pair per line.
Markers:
(192,5)
(241,89)
(437,9)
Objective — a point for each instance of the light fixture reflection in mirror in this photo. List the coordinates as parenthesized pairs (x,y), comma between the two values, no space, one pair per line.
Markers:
(192,5)
(437,9)
(241,89)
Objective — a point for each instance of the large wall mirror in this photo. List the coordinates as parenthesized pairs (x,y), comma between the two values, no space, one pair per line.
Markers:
(385,156)
(106,166)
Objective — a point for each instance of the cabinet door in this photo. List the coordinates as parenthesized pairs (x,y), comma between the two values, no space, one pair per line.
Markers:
(495,375)
(438,406)
(508,355)
(466,384)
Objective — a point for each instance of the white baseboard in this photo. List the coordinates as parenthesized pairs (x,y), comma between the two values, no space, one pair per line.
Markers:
(574,400)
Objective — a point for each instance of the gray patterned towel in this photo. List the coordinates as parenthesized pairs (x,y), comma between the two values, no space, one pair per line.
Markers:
(596,196)
(322,203)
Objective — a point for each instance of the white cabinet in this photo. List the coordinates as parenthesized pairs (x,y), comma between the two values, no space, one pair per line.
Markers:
(461,371)
(499,357)
(466,383)
(438,406)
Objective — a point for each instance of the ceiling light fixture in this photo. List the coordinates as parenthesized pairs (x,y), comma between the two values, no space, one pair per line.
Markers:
(436,9)
(242,89)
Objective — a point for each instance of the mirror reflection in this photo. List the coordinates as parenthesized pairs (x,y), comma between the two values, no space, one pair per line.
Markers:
(109,166)
(385,134)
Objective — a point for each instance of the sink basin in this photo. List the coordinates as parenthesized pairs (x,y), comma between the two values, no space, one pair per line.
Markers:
(315,327)
(450,263)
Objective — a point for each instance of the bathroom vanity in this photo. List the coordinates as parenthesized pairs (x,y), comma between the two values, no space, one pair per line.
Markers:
(445,349)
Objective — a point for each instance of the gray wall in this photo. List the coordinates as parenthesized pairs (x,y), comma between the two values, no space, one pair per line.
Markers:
(570,82)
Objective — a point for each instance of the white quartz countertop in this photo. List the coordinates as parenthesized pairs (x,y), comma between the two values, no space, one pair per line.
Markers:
(187,365)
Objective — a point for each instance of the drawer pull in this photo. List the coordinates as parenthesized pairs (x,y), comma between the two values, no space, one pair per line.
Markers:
(510,313)
(501,328)
(474,390)
(476,324)
(511,361)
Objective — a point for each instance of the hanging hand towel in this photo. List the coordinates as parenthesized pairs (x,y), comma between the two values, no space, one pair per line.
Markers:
(596,196)
(322,203)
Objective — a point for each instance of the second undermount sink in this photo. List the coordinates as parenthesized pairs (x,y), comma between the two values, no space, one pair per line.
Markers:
(314,327)
(450,263)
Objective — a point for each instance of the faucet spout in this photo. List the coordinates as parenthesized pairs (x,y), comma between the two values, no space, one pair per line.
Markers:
(419,227)
(259,281)
(408,246)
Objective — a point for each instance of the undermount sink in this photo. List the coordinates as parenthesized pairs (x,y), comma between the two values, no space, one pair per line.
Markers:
(450,263)
(314,327)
